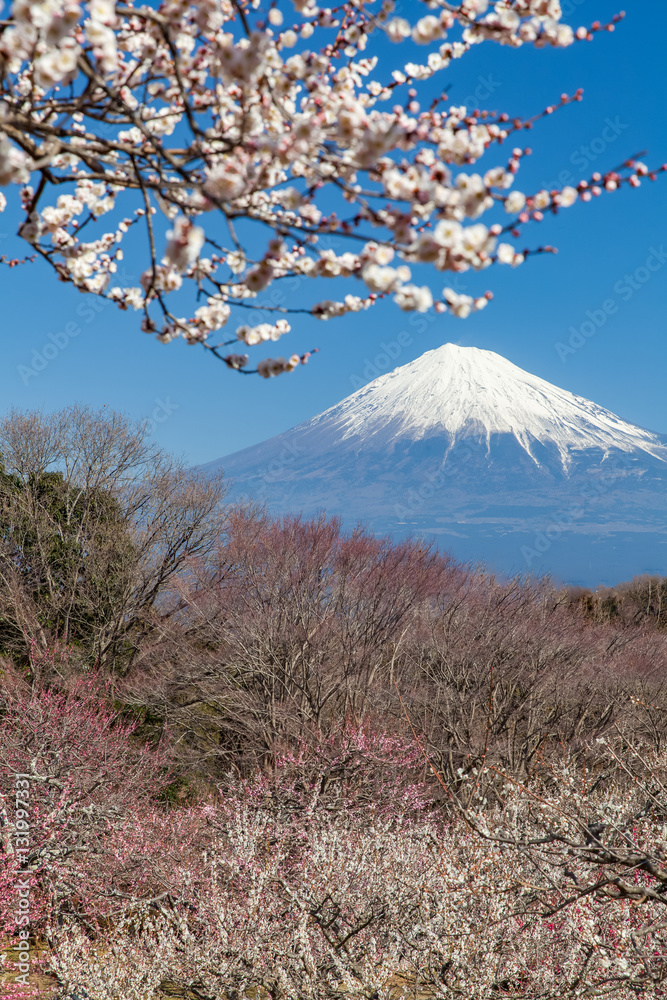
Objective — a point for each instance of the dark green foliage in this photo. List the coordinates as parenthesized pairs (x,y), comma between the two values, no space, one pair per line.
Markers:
(70,549)
(642,599)
(96,524)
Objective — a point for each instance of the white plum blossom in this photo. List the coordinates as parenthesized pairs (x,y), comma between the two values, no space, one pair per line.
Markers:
(262,135)
(427,30)
(514,202)
(385,279)
(225,180)
(99,30)
(236,361)
(127,297)
(185,241)
(353,303)
(259,277)
(252,335)
(269,367)
(383,255)
(56,66)
(398,29)
(449,233)
(461,305)
(542,199)
(504,892)
(236,262)
(505,253)
(162,278)
(410,298)
(330,308)
(14,164)
(568,196)
(214,315)
(498,177)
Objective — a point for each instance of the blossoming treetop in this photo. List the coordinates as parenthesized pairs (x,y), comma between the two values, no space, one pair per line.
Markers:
(255,132)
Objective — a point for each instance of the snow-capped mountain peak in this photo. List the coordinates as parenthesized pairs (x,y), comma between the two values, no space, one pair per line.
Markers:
(493,463)
(463,392)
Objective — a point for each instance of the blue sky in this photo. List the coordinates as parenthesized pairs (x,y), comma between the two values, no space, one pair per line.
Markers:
(204,411)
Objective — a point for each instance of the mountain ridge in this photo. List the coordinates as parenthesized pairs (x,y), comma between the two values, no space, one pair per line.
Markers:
(466,447)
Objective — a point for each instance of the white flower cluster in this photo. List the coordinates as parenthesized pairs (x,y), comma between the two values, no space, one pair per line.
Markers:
(411,298)
(269,367)
(185,241)
(229,126)
(14,164)
(214,314)
(535,22)
(252,335)
(127,297)
(462,305)
(330,308)
(453,247)
(160,278)
(99,31)
(506,254)
(506,896)
(43,33)
(384,279)
(236,361)
(329,265)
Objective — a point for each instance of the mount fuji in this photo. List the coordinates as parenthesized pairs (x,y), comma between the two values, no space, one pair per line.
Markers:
(498,466)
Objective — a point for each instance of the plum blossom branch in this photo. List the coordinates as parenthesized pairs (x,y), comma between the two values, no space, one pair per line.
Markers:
(219,110)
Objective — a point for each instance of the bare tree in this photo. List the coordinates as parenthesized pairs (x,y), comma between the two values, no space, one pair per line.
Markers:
(97,524)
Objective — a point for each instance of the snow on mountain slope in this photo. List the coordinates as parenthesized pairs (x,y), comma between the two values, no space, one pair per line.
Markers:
(464,392)
(494,463)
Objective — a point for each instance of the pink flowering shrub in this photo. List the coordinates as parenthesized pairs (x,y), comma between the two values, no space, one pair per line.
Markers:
(294,627)
(346,866)
(419,781)
(553,890)
(91,834)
